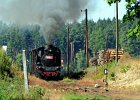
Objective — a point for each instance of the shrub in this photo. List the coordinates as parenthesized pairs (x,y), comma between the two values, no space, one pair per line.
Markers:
(5,63)
(14,90)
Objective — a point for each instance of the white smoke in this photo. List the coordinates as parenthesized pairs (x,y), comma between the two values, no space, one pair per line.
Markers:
(49,14)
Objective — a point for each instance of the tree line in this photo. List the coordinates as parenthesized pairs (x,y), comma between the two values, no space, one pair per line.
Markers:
(101,36)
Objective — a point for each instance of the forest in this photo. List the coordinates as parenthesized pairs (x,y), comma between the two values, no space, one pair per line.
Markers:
(101,36)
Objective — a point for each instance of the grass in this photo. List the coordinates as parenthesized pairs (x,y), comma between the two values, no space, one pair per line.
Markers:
(10,89)
(13,89)
(68,80)
(101,97)
(125,68)
(97,72)
(75,96)
(93,73)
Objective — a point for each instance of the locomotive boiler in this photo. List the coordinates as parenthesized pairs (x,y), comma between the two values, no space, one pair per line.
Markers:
(46,61)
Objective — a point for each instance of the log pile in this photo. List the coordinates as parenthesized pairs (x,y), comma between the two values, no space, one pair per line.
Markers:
(103,56)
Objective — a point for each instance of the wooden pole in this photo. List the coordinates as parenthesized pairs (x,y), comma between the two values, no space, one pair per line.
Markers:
(71,52)
(86,14)
(25,73)
(116,31)
(68,49)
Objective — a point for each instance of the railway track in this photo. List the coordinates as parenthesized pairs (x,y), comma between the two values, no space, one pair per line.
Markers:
(84,87)
(77,86)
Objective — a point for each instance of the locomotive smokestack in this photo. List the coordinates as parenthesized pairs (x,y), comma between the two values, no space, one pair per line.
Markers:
(49,14)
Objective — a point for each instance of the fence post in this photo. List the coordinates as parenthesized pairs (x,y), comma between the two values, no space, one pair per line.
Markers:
(25,72)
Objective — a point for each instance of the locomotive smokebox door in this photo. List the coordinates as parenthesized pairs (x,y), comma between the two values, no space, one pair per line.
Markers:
(47,61)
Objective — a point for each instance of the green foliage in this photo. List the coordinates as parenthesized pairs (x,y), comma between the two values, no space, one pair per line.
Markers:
(124,68)
(80,60)
(133,10)
(77,33)
(64,70)
(74,96)
(13,89)
(111,70)
(135,30)
(102,97)
(5,63)
(101,33)
(19,60)
(99,72)
(132,14)
(68,80)
(36,93)
(111,1)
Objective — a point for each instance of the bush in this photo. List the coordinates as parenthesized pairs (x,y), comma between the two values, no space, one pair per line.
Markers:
(13,89)
(5,63)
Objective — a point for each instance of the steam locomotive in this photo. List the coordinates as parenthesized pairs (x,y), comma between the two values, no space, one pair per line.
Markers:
(46,61)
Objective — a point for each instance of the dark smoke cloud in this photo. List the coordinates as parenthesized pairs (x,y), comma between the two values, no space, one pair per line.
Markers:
(49,14)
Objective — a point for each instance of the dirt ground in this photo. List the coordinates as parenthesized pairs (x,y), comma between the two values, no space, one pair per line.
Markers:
(87,87)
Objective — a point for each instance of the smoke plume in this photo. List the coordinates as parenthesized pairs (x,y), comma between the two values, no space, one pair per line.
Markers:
(49,14)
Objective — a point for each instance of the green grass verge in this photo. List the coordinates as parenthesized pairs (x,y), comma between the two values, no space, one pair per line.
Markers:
(98,72)
(13,89)
(75,96)
(101,97)
(68,80)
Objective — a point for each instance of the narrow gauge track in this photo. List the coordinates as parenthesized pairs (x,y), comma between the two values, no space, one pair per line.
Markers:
(77,86)
(81,86)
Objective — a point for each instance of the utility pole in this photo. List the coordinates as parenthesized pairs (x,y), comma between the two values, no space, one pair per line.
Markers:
(72,52)
(86,14)
(71,45)
(86,40)
(68,49)
(116,31)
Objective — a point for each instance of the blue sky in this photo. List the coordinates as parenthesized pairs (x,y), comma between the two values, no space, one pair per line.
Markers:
(96,9)
(103,10)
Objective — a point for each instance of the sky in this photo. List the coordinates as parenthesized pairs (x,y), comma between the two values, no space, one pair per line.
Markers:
(103,10)
(96,9)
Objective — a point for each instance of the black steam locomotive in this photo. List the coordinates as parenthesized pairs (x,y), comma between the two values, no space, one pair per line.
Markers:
(46,61)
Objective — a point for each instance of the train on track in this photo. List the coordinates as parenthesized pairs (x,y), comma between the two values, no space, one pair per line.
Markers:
(46,61)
